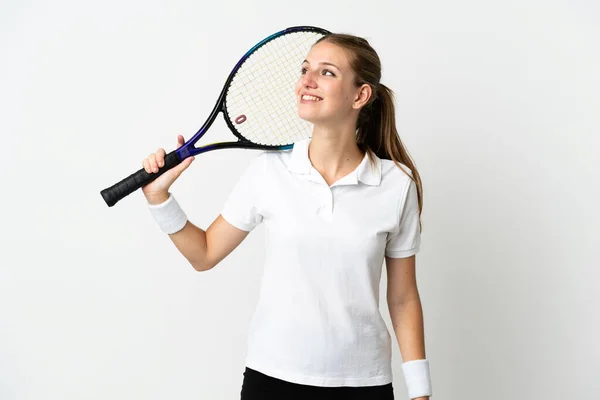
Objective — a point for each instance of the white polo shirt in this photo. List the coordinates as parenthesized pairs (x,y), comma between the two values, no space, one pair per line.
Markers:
(317,321)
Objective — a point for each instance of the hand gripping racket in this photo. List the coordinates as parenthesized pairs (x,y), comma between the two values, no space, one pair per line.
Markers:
(257,101)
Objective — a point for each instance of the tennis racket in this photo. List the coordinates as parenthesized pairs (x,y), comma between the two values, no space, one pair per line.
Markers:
(257,101)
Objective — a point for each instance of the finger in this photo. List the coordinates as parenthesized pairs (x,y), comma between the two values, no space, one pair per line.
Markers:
(184,164)
(180,141)
(152,161)
(146,165)
(160,157)
(188,161)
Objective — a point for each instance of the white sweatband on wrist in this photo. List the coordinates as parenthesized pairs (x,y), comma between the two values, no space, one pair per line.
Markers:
(417,378)
(168,215)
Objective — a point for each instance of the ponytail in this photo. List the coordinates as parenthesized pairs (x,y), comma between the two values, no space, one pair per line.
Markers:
(377,134)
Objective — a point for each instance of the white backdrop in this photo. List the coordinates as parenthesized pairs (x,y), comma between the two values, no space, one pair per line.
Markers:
(498,103)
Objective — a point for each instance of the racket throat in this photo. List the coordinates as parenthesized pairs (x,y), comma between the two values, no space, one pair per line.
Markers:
(184,152)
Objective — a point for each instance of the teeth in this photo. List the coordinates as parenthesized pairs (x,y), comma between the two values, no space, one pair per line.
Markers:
(311,98)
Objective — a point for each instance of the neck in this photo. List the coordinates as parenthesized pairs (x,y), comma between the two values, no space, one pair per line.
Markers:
(334,152)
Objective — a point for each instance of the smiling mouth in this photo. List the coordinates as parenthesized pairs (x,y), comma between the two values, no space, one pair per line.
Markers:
(310,98)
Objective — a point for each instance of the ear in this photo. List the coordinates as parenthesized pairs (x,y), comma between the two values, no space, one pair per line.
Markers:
(363,95)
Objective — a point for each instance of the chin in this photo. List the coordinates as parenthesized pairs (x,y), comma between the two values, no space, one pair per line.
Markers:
(310,115)
(307,116)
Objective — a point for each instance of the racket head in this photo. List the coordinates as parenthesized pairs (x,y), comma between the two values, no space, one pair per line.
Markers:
(260,104)
(258,100)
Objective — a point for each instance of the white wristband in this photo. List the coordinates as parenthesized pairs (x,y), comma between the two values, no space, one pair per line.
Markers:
(417,378)
(168,215)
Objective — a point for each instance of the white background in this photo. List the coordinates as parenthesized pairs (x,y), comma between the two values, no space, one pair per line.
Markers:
(497,102)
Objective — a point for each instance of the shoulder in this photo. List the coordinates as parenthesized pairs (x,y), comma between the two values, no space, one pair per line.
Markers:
(265,157)
(398,182)
(273,159)
(394,175)
(268,161)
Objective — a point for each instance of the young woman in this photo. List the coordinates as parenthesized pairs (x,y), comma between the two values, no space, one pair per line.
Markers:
(334,206)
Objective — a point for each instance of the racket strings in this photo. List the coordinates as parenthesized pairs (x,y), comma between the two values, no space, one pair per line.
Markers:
(271,58)
(263,91)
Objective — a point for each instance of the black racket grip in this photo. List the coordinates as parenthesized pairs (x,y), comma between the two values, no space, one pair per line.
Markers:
(135,181)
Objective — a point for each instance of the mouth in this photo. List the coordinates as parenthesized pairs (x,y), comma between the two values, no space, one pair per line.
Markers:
(309,98)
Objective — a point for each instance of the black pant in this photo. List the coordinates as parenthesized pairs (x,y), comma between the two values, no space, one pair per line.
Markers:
(258,386)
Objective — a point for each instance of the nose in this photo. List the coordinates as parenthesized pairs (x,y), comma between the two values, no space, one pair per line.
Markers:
(308,80)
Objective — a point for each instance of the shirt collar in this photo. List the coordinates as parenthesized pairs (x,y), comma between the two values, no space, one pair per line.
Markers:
(365,172)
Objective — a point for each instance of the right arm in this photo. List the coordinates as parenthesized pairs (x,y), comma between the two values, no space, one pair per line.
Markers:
(202,249)
(205,249)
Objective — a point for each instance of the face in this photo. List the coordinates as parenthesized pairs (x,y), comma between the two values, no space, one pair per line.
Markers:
(325,91)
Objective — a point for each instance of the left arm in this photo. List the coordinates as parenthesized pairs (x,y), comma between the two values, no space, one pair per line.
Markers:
(405,309)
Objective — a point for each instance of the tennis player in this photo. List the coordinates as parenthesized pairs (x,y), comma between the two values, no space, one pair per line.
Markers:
(334,207)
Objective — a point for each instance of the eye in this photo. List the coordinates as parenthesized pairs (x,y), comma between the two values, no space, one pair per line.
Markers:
(325,71)
(302,70)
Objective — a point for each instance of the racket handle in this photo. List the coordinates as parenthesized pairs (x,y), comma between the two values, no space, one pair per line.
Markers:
(135,181)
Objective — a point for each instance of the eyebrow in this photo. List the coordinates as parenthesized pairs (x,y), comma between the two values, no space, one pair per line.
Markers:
(322,63)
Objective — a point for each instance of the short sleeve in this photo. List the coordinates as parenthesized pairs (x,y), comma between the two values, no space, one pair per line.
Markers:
(242,205)
(405,239)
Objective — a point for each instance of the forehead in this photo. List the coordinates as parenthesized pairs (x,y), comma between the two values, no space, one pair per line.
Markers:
(328,52)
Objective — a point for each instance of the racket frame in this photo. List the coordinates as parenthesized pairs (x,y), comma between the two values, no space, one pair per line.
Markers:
(188,149)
